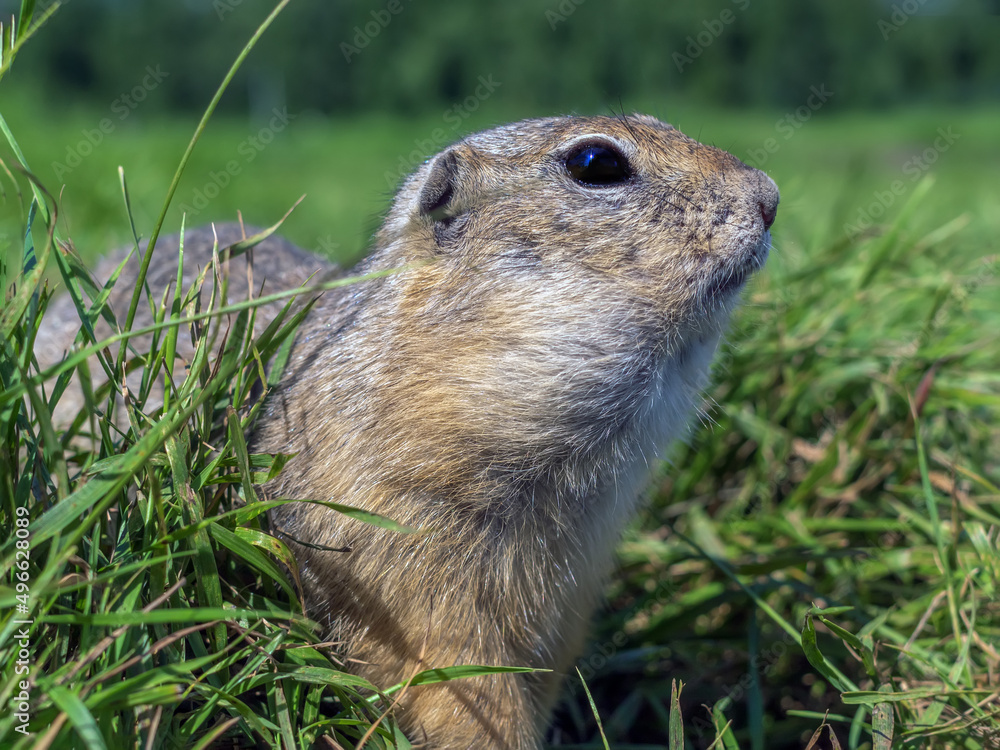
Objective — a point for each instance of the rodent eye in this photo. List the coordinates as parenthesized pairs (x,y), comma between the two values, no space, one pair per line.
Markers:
(598,165)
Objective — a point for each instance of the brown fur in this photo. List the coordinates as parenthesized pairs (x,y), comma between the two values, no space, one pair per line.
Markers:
(506,393)
(276,265)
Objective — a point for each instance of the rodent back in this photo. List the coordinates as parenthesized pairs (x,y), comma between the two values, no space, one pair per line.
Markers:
(273,265)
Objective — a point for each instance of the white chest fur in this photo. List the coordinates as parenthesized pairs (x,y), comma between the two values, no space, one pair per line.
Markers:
(631,457)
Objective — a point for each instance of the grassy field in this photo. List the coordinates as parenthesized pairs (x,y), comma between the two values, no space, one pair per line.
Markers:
(825,547)
(829,167)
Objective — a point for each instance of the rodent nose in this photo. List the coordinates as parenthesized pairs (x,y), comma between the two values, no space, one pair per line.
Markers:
(768,212)
(768,201)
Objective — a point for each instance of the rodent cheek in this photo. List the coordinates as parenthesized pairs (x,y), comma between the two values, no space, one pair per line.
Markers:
(657,279)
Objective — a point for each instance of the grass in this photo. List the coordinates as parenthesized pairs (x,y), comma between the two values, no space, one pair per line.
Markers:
(852,463)
(819,564)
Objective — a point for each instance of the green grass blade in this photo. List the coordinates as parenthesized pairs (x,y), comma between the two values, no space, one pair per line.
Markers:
(79,716)
(147,257)
(242,544)
(882,723)
(676,719)
(593,708)
(816,658)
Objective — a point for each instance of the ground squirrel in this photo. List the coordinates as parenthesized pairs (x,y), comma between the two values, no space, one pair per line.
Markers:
(566,284)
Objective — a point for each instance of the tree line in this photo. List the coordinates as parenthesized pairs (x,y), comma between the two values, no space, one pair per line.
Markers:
(412,56)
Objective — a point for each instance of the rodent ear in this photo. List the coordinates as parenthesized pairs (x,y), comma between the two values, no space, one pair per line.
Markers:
(438,195)
(444,196)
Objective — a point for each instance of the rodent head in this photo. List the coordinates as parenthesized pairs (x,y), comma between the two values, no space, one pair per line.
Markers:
(676,225)
(566,283)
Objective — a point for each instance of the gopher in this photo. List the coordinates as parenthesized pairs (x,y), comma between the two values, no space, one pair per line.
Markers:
(563,284)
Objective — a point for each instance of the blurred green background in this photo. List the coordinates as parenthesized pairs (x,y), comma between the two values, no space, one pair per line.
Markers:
(366,90)
(847,105)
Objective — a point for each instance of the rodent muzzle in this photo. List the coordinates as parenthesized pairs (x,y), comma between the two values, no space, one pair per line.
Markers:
(747,240)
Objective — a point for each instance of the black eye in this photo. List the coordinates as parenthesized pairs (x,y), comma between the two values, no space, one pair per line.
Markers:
(597,165)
